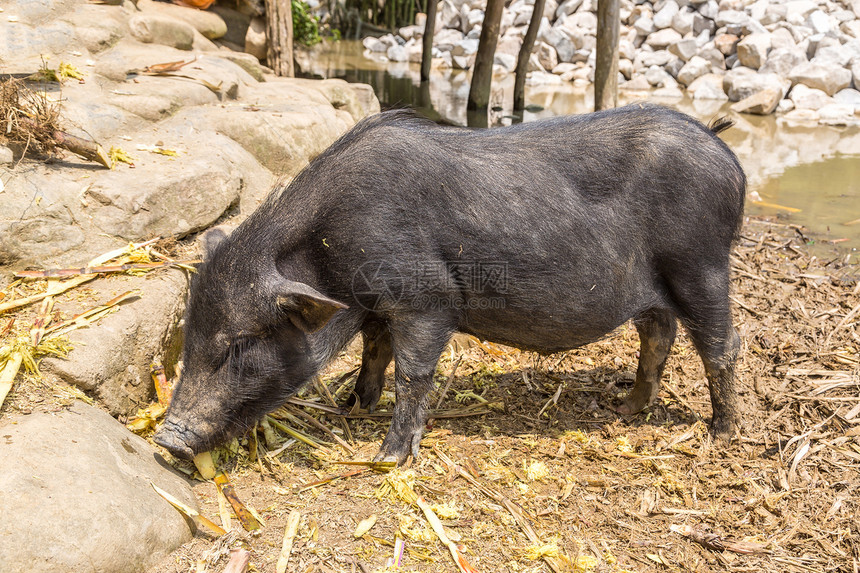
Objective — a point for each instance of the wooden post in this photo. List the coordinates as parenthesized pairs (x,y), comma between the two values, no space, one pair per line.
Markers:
(525,54)
(279,33)
(606,65)
(482,74)
(427,46)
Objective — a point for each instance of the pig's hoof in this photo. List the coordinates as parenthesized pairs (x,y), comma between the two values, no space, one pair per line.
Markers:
(398,458)
(388,458)
(724,429)
(398,451)
(631,405)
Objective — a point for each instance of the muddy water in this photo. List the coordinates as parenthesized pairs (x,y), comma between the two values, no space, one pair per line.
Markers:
(800,174)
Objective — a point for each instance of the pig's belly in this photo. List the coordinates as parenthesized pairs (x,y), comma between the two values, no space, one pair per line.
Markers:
(545,330)
(573,306)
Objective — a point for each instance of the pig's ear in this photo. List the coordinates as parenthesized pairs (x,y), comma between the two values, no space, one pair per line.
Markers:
(211,239)
(308,309)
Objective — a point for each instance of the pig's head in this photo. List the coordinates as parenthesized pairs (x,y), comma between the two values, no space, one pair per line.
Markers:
(247,349)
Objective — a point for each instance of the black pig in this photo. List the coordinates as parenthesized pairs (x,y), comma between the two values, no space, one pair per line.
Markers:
(544,236)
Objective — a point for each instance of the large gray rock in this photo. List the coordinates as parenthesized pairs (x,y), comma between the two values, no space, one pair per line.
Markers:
(256,43)
(709,9)
(809,98)
(840,55)
(837,114)
(662,38)
(645,60)
(684,49)
(731,18)
(547,56)
(708,87)
(22,45)
(820,22)
(782,60)
(799,9)
(644,26)
(97,27)
(693,69)
(77,496)
(73,221)
(742,82)
(702,24)
(560,40)
(663,18)
(157,29)
(567,7)
(760,103)
(752,50)
(781,38)
(658,77)
(682,22)
(398,54)
(827,77)
(209,24)
(848,97)
(713,56)
(112,360)
(291,122)
(774,13)
(448,16)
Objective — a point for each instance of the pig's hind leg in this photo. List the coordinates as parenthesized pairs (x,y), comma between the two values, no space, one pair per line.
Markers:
(657,328)
(702,299)
(375,357)
(418,342)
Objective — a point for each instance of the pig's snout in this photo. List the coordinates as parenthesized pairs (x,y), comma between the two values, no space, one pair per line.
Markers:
(170,436)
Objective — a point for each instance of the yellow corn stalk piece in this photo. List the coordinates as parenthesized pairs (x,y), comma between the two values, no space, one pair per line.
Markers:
(364,526)
(163,388)
(287,548)
(7,375)
(187,511)
(246,518)
(205,465)
(146,418)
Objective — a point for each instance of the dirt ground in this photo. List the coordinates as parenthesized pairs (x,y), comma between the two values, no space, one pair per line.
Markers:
(550,457)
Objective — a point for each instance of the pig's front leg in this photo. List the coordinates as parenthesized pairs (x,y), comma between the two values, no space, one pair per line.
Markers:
(417,347)
(375,358)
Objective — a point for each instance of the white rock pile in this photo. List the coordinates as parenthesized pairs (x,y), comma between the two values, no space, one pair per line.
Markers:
(801,57)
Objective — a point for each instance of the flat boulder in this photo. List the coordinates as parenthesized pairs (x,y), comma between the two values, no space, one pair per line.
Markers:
(708,87)
(781,61)
(752,50)
(848,97)
(809,98)
(208,23)
(827,77)
(742,82)
(112,361)
(77,496)
(693,69)
(157,29)
(759,103)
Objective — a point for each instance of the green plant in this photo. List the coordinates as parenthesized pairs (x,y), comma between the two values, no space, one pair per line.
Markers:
(306,29)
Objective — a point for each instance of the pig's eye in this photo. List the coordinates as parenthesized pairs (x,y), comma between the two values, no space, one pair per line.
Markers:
(236,352)
(240,345)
